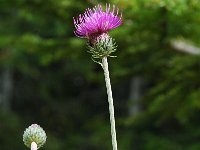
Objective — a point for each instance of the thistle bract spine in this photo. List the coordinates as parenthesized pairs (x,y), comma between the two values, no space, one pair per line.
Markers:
(102,46)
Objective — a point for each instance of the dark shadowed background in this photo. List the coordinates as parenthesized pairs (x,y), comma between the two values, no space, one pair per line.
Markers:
(47,76)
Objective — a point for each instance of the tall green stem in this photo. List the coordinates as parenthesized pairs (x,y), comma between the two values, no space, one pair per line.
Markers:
(110,101)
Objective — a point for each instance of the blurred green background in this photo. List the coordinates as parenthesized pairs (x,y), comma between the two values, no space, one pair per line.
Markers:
(47,77)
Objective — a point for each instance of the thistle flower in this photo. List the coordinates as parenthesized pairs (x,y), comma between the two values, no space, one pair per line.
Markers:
(94,25)
(95,22)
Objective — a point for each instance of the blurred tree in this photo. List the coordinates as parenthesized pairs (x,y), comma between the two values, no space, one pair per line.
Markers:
(54,83)
(169,111)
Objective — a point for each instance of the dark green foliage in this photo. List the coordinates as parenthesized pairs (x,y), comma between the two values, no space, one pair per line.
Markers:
(58,86)
(11,129)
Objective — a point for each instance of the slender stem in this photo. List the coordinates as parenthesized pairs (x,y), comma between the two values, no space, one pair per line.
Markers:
(110,101)
(33,146)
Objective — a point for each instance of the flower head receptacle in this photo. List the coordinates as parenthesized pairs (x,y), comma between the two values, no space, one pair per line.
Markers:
(34,133)
(94,24)
(103,46)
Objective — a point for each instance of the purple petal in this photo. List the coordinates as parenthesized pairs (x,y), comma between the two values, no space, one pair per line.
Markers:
(96,21)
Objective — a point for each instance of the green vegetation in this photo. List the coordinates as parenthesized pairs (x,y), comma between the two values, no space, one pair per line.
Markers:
(57,85)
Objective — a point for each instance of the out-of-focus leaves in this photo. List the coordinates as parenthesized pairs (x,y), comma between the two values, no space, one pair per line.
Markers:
(57,84)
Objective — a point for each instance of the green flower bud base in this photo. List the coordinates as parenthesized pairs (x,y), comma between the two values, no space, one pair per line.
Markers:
(34,133)
(103,47)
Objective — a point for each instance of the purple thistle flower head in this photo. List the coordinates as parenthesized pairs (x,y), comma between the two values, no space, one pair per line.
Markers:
(94,22)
